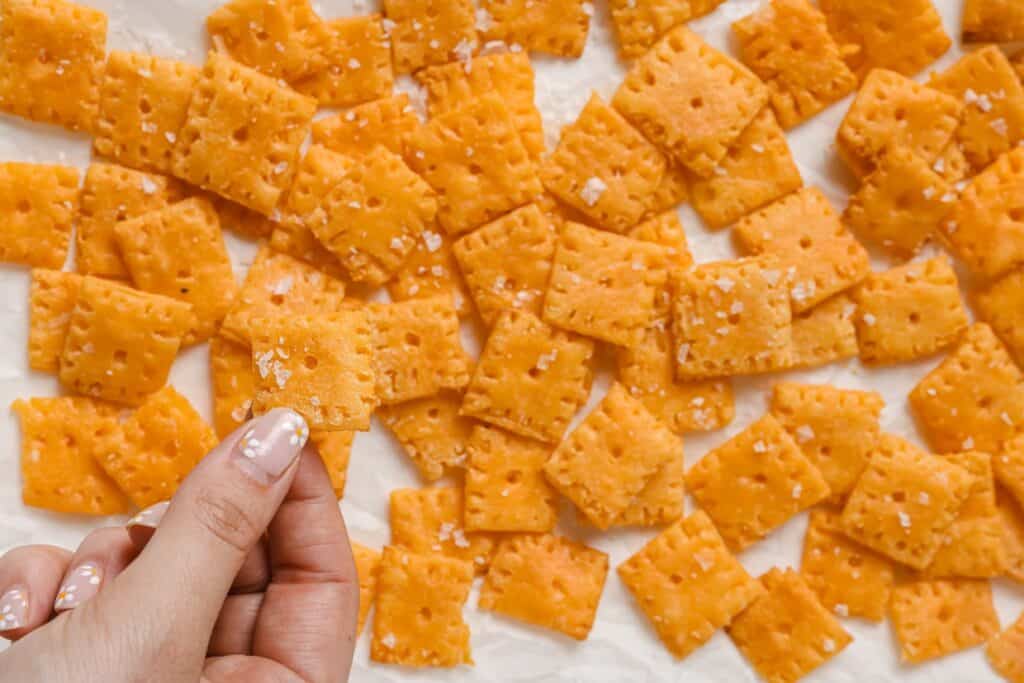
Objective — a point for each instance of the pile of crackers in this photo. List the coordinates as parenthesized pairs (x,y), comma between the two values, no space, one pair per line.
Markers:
(467,217)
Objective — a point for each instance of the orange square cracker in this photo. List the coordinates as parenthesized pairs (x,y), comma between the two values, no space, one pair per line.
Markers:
(52,298)
(431,432)
(429,521)
(936,618)
(37,208)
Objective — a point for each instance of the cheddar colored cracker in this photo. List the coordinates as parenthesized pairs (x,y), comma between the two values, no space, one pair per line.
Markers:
(531,379)
(51,60)
(905,37)
(604,285)
(786,633)
(281,38)
(993,120)
(787,44)
(604,168)
(824,334)
(974,399)
(358,59)
(732,318)
(278,285)
(647,370)
(688,584)
(509,74)
(660,501)
(611,457)
(367,210)
(555,27)
(805,233)
(386,122)
(546,581)
(320,366)
(242,135)
(417,351)
(234,384)
(904,501)
(431,432)
(1001,305)
(757,170)
(418,621)
(690,99)
(996,21)
(1008,465)
(431,270)
(974,545)
(52,298)
(986,215)
(335,449)
(849,579)
(367,563)
(179,252)
(474,158)
(640,23)
(900,204)
(891,111)
(1004,652)
(156,447)
(121,342)
(242,221)
(505,485)
(507,262)
(909,312)
(111,195)
(429,521)
(298,241)
(429,32)
(58,444)
(937,618)
(142,106)
(37,207)
(754,482)
(835,428)
(666,230)
(1013,535)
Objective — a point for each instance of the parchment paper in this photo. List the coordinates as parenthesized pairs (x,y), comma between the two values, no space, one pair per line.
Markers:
(622,647)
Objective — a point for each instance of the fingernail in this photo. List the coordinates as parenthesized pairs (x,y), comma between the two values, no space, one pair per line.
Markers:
(13,609)
(150,517)
(271,443)
(81,584)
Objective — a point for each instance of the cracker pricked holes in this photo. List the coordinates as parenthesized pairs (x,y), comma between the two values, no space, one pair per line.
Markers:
(58,455)
(321,366)
(64,88)
(242,135)
(688,584)
(37,206)
(121,342)
(547,581)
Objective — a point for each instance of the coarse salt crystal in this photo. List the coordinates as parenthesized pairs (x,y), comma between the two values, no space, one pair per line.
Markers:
(804,433)
(797,490)
(725,284)
(148,186)
(842,610)
(904,519)
(592,190)
(759,447)
(869,319)
(683,353)
(432,240)
(828,645)
(968,443)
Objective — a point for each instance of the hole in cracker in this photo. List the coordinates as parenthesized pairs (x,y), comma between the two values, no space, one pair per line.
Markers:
(426,614)
(373,203)
(697,102)
(24,206)
(144,106)
(242,134)
(412,339)
(514,477)
(310,362)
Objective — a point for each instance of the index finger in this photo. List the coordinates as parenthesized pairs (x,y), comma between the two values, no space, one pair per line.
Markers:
(308,618)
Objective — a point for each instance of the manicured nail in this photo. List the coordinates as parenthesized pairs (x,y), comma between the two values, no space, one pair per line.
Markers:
(13,609)
(271,444)
(150,517)
(81,584)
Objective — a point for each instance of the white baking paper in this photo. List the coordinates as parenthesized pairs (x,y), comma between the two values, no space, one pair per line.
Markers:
(622,647)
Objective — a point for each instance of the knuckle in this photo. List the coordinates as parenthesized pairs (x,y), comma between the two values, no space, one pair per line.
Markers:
(226,520)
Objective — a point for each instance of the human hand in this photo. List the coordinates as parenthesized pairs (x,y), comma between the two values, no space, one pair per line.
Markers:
(246,575)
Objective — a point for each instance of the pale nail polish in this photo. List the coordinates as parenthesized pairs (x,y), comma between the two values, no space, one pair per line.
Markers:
(150,517)
(79,585)
(13,609)
(271,444)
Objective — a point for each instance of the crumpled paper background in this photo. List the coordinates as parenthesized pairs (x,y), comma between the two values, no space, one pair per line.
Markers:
(622,646)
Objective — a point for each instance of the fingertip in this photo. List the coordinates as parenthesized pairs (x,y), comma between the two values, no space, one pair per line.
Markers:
(29,580)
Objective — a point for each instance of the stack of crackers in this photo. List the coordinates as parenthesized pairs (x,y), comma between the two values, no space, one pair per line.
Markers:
(467,217)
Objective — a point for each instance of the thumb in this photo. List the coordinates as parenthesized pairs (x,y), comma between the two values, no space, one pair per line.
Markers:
(218,514)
